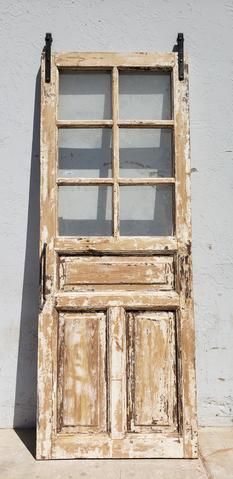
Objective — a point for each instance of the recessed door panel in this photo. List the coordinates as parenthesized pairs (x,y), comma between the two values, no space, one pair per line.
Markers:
(151,371)
(108,273)
(81,374)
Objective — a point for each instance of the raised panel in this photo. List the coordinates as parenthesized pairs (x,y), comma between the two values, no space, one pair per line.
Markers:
(151,371)
(111,272)
(81,373)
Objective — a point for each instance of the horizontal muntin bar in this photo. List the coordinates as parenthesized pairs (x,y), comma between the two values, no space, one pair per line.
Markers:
(84,123)
(110,181)
(109,123)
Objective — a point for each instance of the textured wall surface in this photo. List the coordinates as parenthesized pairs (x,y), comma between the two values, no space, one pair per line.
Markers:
(122,25)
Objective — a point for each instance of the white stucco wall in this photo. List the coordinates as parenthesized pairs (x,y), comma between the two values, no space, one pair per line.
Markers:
(117,25)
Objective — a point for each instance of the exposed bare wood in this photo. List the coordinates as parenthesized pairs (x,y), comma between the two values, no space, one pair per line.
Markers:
(143,300)
(109,181)
(84,181)
(117,367)
(146,181)
(161,61)
(115,150)
(155,245)
(84,123)
(46,380)
(113,270)
(146,123)
(46,365)
(82,402)
(186,348)
(119,123)
(132,446)
(151,390)
(104,389)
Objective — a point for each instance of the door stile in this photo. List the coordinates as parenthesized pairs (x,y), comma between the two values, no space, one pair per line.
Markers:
(185,314)
(48,315)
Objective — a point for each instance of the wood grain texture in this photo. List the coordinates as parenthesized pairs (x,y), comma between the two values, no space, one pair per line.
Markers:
(82,384)
(114,270)
(186,346)
(140,300)
(130,447)
(110,386)
(109,60)
(117,367)
(151,373)
(93,245)
(47,318)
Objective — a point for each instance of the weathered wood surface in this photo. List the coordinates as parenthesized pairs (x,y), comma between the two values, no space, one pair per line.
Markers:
(185,315)
(151,374)
(109,386)
(82,381)
(93,245)
(114,270)
(139,446)
(98,60)
(140,300)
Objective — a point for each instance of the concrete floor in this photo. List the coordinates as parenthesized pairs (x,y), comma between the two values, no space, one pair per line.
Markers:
(215,462)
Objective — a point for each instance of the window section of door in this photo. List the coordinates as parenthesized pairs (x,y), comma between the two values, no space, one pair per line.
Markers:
(84,95)
(85,210)
(115,128)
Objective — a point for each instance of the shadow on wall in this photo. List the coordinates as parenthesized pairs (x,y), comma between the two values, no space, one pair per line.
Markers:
(25,394)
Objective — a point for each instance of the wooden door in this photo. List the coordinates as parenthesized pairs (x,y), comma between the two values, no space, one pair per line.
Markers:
(116,372)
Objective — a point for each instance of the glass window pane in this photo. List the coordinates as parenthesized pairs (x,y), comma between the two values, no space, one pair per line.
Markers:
(146,210)
(145,95)
(85,210)
(145,152)
(84,95)
(85,152)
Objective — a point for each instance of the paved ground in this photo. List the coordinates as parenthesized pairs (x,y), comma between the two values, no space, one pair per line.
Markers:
(215,462)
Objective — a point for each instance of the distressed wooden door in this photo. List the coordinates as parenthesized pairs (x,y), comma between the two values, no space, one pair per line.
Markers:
(116,341)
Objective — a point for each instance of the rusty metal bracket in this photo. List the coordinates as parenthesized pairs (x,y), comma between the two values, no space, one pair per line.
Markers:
(180,49)
(47,50)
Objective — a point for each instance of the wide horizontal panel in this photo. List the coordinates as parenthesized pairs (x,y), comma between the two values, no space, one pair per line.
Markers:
(82,385)
(70,245)
(115,270)
(131,446)
(108,59)
(146,300)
